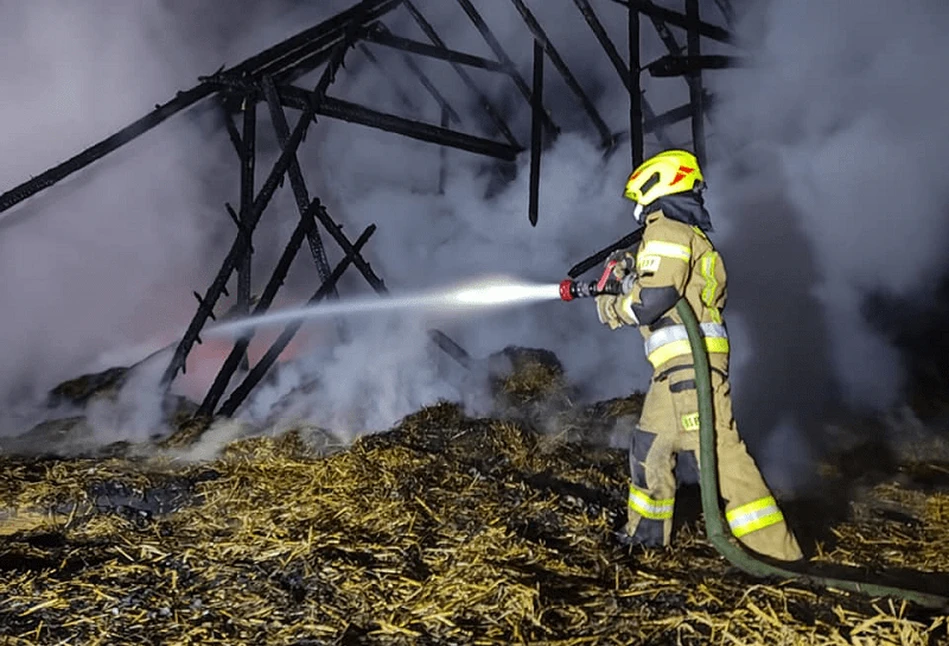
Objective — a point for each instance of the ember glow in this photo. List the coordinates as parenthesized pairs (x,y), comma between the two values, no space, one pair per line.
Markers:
(481,295)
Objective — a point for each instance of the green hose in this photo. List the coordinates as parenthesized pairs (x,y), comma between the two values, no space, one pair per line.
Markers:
(708,480)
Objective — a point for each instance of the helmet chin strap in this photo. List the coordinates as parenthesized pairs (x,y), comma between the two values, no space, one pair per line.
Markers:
(638,212)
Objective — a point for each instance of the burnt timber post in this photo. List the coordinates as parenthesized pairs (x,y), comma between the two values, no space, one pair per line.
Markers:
(248,167)
(537,132)
(273,352)
(635,91)
(695,81)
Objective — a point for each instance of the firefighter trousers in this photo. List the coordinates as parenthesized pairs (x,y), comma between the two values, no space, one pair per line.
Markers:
(668,426)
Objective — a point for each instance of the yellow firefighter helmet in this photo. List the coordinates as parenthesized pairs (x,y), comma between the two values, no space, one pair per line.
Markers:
(669,172)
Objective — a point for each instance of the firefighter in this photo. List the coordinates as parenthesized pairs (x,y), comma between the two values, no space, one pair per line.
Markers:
(676,259)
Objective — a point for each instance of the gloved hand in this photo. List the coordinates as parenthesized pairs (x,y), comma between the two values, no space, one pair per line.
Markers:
(606,310)
(624,263)
(623,308)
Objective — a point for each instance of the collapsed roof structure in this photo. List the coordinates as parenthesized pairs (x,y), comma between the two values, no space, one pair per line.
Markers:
(270,79)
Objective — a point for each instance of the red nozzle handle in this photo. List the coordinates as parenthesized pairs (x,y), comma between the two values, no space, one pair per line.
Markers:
(607,274)
(566,290)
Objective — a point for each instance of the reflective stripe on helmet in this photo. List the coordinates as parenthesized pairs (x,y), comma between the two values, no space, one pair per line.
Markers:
(648,507)
(673,341)
(753,516)
(669,172)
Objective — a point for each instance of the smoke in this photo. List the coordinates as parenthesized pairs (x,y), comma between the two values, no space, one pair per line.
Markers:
(108,257)
(834,138)
(824,184)
(102,265)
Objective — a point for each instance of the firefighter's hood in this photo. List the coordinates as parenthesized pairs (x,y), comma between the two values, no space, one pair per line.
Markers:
(688,208)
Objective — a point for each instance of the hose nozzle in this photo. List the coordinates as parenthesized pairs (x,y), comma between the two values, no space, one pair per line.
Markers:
(571,289)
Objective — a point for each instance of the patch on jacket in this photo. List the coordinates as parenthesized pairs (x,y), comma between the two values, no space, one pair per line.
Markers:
(647,264)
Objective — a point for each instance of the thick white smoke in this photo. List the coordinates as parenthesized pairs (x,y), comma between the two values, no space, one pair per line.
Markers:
(96,262)
(831,156)
(823,183)
(145,227)
(98,270)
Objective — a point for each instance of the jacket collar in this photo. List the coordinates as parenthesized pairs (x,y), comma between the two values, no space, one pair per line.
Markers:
(687,208)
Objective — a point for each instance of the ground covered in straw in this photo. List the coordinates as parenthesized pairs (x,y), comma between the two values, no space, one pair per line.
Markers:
(444,530)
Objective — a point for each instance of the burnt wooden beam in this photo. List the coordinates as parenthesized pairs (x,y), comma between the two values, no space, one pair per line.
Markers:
(273,352)
(606,136)
(443,156)
(231,260)
(231,128)
(274,283)
(486,104)
(502,56)
(537,132)
(350,249)
(238,248)
(354,113)
(134,130)
(291,53)
(379,35)
(695,82)
(728,13)
(400,93)
(636,130)
(284,51)
(675,115)
(449,347)
(670,65)
(674,49)
(424,80)
(248,159)
(654,11)
(297,182)
(295,97)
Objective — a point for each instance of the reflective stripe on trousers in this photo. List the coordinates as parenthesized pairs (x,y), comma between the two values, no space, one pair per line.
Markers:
(650,507)
(753,516)
(673,341)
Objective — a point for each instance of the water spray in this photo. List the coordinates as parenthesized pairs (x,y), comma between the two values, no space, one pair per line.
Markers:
(483,294)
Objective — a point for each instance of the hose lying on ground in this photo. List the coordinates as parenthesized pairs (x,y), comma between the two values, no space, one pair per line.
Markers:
(708,480)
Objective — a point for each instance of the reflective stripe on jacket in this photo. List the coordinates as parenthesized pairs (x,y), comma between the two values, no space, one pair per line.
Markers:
(673,341)
(676,260)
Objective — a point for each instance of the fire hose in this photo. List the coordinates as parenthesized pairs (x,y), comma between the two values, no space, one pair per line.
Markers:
(708,482)
(715,526)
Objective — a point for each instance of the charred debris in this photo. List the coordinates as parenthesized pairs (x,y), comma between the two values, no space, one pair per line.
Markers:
(446,528)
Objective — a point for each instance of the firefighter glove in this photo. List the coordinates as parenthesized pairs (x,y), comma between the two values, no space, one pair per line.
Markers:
(623,262)
(606,310)
(624,309)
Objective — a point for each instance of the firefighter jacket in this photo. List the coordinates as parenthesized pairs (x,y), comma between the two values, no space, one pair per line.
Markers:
(674,260)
